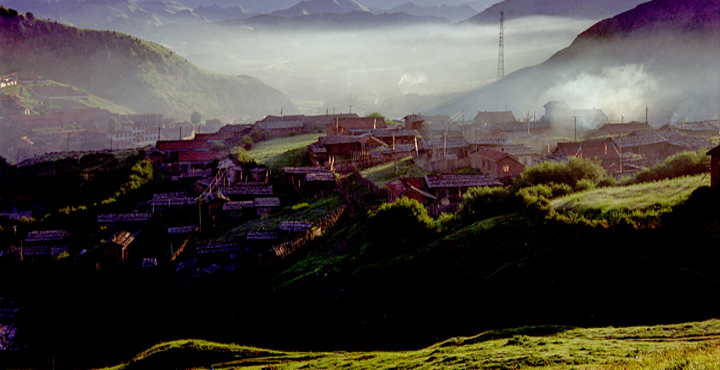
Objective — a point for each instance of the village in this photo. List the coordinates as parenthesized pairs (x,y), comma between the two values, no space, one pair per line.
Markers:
(223,213)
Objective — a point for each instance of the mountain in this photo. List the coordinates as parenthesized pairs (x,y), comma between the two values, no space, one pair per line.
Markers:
(661,55)
(453,13)
(215,13)
(335,21)
(122,15)
(138,74)
(478,5)
(307,7)
(585,9)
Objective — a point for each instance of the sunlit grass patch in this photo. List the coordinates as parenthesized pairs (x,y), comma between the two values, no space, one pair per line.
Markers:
(265,150)
(636,204)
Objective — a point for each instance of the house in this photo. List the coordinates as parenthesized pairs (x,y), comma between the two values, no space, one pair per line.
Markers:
(197,160)
(175,146)
(248,190)
(409,187)
(656,145)
(498,164)
(523,153)
(449,189)
(298,175)
(354,126)
(560,112)
(48,243)
(485,118)
(701,129)
(352,148)
(265,206)
(441,147)
(239,209)
(414,121)
(117,249)
(396,137)
(604,150)
(280,128)
(616,129)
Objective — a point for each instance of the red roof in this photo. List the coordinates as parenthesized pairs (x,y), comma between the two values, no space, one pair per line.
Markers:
(199,156)
(181,145)
(494,155)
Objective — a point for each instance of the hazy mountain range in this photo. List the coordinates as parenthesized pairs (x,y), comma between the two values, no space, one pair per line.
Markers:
(587,9)
(141,75)
(661,55)
(139,16)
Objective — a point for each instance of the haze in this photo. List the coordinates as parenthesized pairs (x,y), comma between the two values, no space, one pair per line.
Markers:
(321,70)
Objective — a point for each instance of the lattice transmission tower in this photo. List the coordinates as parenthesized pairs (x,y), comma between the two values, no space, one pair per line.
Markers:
(501,52)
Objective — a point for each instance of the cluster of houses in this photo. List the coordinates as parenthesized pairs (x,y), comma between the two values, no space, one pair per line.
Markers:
(219,192)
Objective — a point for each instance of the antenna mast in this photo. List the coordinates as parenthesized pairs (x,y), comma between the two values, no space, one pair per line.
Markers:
(501,52)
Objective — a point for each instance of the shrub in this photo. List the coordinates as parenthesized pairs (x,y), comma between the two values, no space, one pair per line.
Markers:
(677,165)
(402,223)
(570,173)
(485,202)
(246,142)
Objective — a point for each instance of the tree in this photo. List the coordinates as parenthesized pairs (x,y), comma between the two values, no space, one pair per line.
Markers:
(113,124)
(375,115)
(195,118)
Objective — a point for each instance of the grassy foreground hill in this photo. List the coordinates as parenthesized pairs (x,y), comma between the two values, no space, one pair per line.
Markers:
(141,75)
(681,346)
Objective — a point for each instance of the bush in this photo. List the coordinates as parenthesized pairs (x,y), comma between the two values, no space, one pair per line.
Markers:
(570,173)
(247,142)
(677,165)
(402,223)
(485,202)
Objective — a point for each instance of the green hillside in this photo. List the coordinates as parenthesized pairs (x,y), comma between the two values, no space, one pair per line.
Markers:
(683,346)
(141,75)
(644,203)
(36,104)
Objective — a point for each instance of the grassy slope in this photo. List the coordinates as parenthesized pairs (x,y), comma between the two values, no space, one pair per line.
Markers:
(265,150)
(639,201)
(93,101)
(549,347)
(384,173)
(142,75)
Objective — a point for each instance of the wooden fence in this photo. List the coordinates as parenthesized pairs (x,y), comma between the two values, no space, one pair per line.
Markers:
(285,249)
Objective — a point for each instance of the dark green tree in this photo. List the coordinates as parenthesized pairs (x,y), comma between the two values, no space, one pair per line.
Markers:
(195,118)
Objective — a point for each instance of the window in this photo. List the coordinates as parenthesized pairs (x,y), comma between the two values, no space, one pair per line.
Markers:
(506,168)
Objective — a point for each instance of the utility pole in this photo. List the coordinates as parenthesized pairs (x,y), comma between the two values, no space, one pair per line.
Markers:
(647,110)
(575,128)
(501,51)
(350,108)
(67,149)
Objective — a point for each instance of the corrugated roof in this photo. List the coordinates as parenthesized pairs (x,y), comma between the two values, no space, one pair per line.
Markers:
(459,181)
(495,117)
(267,202)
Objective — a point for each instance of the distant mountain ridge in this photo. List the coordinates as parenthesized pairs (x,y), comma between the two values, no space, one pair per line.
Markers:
(308,7)
(453,13)
(128,71)
(336,21)
(585,9)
